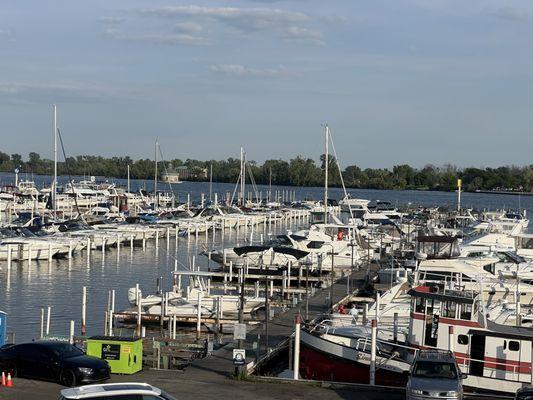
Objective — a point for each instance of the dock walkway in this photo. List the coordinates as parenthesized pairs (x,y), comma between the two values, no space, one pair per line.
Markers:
(280,329)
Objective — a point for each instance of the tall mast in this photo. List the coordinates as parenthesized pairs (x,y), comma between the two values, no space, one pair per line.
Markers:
(129,179)
(326,165)
(54,183)
(242,177)
(270,185)
(155,176)
(211,182)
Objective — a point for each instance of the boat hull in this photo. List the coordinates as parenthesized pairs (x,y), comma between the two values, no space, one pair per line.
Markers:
(327,361)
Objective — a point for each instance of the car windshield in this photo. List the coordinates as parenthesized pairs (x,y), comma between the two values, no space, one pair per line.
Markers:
(167,396)
(65,350)
(432,369)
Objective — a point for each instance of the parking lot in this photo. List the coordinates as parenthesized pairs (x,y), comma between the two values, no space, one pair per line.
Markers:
(182,387)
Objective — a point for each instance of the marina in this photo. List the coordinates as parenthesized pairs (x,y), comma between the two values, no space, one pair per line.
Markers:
(187,276)
(266,199)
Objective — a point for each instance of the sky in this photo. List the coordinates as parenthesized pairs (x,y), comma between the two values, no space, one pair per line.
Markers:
(398,81)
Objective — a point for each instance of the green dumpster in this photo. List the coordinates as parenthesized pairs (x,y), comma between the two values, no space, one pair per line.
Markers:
(124,355)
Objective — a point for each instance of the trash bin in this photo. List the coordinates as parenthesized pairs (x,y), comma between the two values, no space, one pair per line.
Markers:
(124,355)
(3,328)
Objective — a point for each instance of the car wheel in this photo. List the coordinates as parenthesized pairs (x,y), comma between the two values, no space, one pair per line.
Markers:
(67,378)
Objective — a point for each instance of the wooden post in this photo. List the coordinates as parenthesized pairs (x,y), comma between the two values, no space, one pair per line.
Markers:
(296,369)
(138,330)
(71,336)
(88,250)
(42,323)
(199,315)
(83,310)
(48,317)
(9,255)
(373,352)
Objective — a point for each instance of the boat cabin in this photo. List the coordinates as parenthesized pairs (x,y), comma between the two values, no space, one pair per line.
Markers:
(437,247)
(488,352)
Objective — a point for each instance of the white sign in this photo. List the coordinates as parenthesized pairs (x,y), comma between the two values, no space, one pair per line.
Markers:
(239,331)
(239,356)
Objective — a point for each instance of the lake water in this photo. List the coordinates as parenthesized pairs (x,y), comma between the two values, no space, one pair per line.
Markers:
(25,289)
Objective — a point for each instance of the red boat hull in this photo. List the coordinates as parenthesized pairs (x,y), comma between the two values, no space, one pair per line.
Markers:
(317,365)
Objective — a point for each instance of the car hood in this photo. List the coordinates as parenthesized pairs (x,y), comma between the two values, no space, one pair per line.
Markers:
(85,361)
(434,384)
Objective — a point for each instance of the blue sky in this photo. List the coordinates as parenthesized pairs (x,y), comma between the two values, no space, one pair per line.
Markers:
(413,81)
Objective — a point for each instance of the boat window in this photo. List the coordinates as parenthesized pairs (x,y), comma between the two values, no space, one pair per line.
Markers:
(448,309)
(466,311)
(433,307)
(315,244)
(489,268)
(462,339)
(527,243)
(420,305)
(514,345)
(474,254)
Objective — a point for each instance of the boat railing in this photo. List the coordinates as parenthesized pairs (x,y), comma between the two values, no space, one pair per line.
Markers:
(503,368)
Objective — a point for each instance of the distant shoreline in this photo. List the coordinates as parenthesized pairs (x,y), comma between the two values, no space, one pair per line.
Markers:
(504,192)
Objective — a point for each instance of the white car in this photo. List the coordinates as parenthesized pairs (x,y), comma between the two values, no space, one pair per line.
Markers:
(118,391)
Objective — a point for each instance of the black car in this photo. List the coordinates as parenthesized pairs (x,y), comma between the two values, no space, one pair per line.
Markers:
(525,393)
(53,361)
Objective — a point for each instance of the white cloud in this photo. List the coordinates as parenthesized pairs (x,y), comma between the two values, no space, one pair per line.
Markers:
(240,18)
(36,92)
(166,39)
(243,71)
(304,35)
(188,27)
(111,20)
(6,34)
(198,25)
(507,13)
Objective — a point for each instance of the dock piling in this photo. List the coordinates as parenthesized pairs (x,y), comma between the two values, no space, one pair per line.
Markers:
(83,310)
(296,363)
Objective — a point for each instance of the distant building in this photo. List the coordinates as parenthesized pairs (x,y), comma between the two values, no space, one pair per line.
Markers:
(183,173)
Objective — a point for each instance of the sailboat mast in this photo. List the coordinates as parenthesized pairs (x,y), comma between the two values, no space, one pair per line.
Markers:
(129,187)
(54,183)
(270,185)
(211,182)
(326,165)
(155,176)
(242,177)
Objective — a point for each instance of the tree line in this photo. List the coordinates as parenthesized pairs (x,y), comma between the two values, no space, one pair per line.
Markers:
(299,171)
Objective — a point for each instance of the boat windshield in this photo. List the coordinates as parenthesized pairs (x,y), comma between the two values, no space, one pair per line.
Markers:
(7,233)
(432,369)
